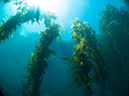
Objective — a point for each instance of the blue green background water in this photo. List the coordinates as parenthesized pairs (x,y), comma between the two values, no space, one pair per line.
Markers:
(15,51)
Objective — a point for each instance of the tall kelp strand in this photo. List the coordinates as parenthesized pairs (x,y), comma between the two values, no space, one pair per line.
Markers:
(88,62)
(37,65)
(114,26)
(11,24)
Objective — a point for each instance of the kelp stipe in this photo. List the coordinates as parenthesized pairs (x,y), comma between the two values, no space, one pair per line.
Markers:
(37,65)
(115,31)
(88,62)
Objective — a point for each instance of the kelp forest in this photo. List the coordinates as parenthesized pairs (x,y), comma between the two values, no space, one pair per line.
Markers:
(97,58)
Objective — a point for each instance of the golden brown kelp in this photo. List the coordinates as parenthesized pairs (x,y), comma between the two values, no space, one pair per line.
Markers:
(89,64)
(37,65)
(11,24)
(114,27)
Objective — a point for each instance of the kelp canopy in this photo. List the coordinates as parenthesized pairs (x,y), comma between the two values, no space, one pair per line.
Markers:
(24,14)
(88,62)
(114,26)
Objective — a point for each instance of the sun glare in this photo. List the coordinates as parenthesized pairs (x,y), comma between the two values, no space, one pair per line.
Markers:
(45,4)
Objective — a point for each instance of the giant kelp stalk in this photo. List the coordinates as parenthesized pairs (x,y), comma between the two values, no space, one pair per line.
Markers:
(37,65)
(88,63)
(114,26)
(25,14)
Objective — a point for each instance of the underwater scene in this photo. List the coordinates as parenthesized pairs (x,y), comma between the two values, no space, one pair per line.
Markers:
(64,47)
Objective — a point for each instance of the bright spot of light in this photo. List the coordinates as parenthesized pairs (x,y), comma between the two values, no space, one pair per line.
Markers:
(45,4)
